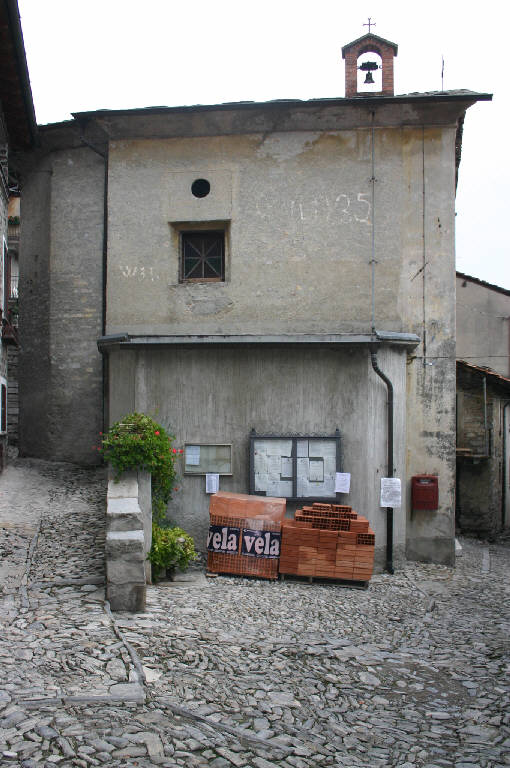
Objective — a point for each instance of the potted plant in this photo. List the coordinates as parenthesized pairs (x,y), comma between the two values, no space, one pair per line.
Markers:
(172,548)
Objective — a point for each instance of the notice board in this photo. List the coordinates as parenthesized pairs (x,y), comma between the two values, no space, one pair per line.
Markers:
(207,458)
(295,467)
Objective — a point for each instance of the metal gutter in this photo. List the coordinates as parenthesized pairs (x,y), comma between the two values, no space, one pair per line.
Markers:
(407,340)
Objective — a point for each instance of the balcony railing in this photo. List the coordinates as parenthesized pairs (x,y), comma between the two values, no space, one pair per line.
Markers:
(13,233)
(13,287)
(9,329)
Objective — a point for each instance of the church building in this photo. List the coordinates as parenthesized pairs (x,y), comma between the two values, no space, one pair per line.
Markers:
(243,270)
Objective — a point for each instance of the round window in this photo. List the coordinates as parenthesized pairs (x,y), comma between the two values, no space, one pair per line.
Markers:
(200,188)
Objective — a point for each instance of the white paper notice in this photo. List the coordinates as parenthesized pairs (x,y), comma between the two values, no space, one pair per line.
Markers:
(273,488)
(192,455)
(342,482)
(279,489)
(260,482)
(212,483)
(279,447)
(274,465)
(302,449)
(303,487)
(285,488)
(322,448)
(316,471)
(260,463)
(286,467)
(330,466)
(391,493)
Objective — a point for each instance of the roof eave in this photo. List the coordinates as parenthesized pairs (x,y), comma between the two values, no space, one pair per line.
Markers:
(470,97)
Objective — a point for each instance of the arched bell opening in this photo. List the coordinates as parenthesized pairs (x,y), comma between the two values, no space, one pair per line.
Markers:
(369,72)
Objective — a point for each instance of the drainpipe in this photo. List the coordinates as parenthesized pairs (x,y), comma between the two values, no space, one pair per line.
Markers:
(506,468)
(389,470)
(486,435)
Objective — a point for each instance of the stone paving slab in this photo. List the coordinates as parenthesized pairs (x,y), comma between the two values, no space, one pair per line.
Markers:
(412,672)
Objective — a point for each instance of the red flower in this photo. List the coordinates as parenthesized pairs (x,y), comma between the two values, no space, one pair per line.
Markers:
(176,489)
(174,450)
(181,450)
(156,432)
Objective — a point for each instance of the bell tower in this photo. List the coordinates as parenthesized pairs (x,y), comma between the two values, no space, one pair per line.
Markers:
(352,52)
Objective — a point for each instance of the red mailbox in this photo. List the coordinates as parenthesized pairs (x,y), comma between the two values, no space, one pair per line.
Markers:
(424,492)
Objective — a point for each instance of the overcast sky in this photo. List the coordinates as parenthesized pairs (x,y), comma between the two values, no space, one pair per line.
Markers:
(118,54)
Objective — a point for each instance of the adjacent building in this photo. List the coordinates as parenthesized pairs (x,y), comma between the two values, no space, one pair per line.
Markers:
(483,406)
(483,324)
(282,268)
(17,133)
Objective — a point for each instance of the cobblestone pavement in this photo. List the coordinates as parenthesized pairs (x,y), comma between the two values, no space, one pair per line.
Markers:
(412,672)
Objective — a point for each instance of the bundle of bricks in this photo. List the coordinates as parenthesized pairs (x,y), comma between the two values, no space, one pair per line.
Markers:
(328,541)
(241,515)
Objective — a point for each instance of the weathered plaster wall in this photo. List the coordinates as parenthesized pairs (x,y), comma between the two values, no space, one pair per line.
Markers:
(483,326)
(219,395)
(61,317)
(299,244)
(428,291)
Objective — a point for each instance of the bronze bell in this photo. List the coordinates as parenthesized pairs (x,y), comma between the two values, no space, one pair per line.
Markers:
(369,67)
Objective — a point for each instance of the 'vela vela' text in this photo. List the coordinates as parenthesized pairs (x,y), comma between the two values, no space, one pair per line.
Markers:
(225,539)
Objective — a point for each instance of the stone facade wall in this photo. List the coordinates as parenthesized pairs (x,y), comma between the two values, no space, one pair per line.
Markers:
(61,307)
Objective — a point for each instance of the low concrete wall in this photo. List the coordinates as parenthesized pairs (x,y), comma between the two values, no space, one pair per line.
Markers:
(128,540)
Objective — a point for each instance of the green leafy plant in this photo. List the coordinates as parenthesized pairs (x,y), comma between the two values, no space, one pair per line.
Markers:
(171,548)
(138,442)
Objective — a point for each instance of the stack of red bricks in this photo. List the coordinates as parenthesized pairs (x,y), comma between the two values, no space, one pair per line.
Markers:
(328,541)
(242,511)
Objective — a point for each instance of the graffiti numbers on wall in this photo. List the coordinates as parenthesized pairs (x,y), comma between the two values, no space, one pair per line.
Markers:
(344,208)
(141,273)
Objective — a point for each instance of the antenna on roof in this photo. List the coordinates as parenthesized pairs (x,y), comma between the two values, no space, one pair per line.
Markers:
(442,72)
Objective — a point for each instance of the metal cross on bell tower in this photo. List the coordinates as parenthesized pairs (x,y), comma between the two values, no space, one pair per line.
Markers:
(370,24)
